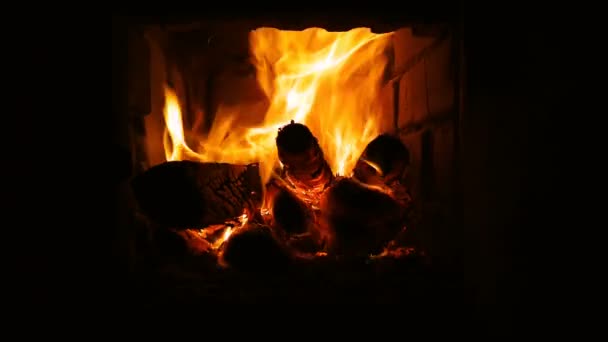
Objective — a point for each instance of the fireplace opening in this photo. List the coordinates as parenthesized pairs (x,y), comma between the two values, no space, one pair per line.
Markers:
(258,148)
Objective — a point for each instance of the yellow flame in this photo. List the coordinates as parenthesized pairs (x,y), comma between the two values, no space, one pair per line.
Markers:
(243,219)
(219,242)
(175,141)
(329,81)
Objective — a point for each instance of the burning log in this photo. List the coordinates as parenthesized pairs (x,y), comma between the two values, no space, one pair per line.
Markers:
(383,161)
(292,219)
(359,220)
(187,194)
(255,248)
(304,164)
(382,164)
(290,214)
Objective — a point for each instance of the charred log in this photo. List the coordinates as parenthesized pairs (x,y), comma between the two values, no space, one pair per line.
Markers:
(359,220)
(382,164)
(186,194)
(383,161)
(293,220)
(290,214)
(255,248)
(303,161)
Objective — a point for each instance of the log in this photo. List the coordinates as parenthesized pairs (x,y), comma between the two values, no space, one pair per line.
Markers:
(296,222)
(294,214)
(359,220)
(303,161)
(187,194)
(383,164)
(255,248)
(290,214)
(383,161)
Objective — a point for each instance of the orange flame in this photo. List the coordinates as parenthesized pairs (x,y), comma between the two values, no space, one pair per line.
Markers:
(329,81)
(242,220)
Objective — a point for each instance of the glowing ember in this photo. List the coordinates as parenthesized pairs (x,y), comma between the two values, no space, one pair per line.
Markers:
(242,221)
(394,252)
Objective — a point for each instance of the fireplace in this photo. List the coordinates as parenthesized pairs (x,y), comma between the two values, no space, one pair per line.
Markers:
(357,116)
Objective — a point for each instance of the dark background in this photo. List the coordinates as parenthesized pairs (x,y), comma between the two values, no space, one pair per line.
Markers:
(62,166)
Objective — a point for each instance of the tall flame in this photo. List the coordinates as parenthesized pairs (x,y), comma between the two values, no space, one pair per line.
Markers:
(329,81)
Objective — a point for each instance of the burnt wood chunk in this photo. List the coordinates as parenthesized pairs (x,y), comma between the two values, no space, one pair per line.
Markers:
(383,161)
(359,220)
(383,164)
(187,194)
(303,161)
(255,248)
(290,214)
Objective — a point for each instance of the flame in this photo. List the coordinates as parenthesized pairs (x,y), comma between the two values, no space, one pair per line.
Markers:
(242,222)
(328,81)
(174,139)
(199,242)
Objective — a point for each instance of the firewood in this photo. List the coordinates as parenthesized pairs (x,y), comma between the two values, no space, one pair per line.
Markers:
(187,194)
(383,161)
(294,214)
(255,248)
(290,214)
(359,220)
(382,164)
(303,161)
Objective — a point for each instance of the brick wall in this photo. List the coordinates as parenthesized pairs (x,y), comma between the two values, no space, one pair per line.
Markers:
(426,121)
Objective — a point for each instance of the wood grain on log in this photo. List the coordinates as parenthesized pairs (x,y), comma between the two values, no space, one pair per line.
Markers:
(187,194)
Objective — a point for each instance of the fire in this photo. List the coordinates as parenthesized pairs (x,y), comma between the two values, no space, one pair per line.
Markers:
(199,238)
(176,147)
(242,221)
(328,81)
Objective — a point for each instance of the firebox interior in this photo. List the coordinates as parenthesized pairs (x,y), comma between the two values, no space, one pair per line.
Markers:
(221,93)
